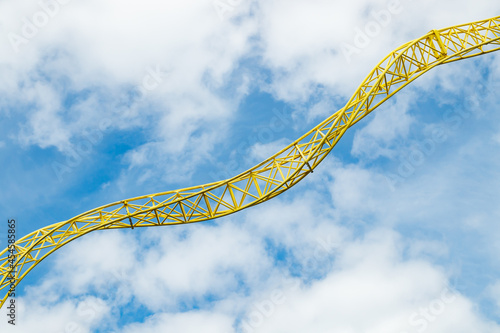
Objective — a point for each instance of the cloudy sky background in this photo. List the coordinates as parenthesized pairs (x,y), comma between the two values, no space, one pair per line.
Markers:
(397,232)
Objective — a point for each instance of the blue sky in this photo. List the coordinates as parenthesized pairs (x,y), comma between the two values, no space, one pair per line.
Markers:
(396,232)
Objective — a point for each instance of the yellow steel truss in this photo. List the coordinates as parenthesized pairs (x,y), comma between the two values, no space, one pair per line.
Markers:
(276,174)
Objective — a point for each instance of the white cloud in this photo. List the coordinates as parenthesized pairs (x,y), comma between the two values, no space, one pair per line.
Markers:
(373,290)
(208,261)
(261,151)
(380,134)
(302,40)
(496,138)
(45,126)
(84,315)
(118,52)
(189,322)
(103,259)
(321,110)
(357,191)
(494,294)
(186,115)
(365,283)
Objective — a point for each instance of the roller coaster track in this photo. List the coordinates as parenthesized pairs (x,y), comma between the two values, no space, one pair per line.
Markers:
(273,176)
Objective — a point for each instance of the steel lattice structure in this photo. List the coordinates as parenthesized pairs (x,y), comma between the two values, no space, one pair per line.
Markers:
(273,176)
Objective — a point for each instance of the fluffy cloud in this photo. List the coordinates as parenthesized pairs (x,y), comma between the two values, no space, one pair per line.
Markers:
(374,290)
(386,128)
(136,66)
(369,287)
(495,294)
(189,322)
(83,315)
(303,41)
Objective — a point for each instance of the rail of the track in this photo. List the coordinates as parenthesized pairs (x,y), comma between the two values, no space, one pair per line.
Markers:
(276,174)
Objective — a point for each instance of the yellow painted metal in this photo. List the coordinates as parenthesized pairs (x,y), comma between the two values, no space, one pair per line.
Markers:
(276,174)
